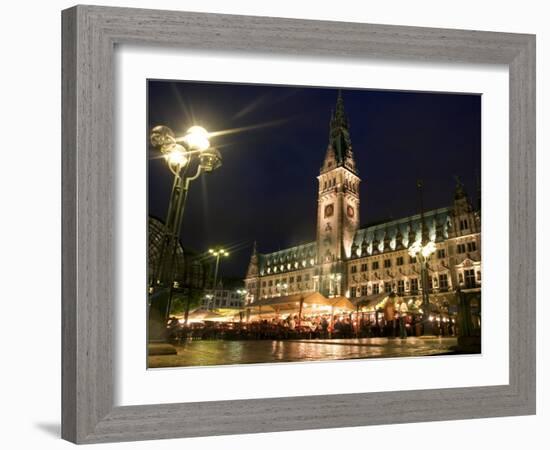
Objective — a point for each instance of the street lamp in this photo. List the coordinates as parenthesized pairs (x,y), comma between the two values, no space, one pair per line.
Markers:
(217,253)
(242,293)
(423,252)
(180,153)
(209,298)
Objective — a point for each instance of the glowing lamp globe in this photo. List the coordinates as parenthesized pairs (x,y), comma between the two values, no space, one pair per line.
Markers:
(175,155)
(162,136)
(196,138)
(210,159)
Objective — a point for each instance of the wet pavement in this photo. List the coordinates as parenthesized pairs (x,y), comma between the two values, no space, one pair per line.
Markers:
(208,353)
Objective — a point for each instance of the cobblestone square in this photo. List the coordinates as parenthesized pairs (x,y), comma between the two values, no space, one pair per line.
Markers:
(217,352)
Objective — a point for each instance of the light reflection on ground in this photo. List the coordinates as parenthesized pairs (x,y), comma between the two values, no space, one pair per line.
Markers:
(207,353)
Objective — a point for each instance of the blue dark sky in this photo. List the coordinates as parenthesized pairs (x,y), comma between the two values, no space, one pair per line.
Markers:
(266,189)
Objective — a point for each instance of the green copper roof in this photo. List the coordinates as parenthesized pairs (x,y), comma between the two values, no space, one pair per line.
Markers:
(401,233)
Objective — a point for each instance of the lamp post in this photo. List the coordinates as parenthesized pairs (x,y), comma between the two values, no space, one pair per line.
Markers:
(242,293)
(217,253)
(180,154)
(209,298)
(423,252)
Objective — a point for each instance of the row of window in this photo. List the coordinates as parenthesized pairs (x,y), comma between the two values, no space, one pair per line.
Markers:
(467,247)
(225,294)
(291,280)
(401,286)
(219,303)
(290,266)
(348,184)
(287,290)
(330,183)
(399,261)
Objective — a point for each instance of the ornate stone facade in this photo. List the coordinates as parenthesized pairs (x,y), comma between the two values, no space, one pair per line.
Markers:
(356,262)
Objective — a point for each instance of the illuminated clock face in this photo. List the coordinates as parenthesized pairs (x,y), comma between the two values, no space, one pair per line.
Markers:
(329,210)
(351,211)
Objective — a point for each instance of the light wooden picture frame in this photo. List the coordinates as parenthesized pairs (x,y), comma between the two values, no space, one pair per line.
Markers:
(90,34)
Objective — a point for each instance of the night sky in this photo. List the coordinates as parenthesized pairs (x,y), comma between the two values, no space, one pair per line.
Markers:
(266,189)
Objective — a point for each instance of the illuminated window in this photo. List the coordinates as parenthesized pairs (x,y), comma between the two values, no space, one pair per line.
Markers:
(470,278)
(443,281)
(401,287)
(414,285)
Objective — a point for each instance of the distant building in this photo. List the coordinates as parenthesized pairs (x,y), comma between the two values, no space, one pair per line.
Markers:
(348,260)
(229,293)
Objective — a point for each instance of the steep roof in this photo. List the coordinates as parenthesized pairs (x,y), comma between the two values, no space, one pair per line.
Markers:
(400,233)
(293,258)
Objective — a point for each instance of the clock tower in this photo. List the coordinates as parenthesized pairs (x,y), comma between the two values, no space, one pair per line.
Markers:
(338,204)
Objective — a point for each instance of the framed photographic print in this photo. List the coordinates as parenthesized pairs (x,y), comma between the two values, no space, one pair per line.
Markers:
(340,223)
(345,285)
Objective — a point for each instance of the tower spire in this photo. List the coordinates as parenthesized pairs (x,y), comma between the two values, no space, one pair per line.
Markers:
(339,123)
(339,145)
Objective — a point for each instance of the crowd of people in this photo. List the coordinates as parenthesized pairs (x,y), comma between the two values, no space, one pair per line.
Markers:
(322,326)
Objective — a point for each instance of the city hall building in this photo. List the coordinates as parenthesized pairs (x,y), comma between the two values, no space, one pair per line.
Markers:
(347,260)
